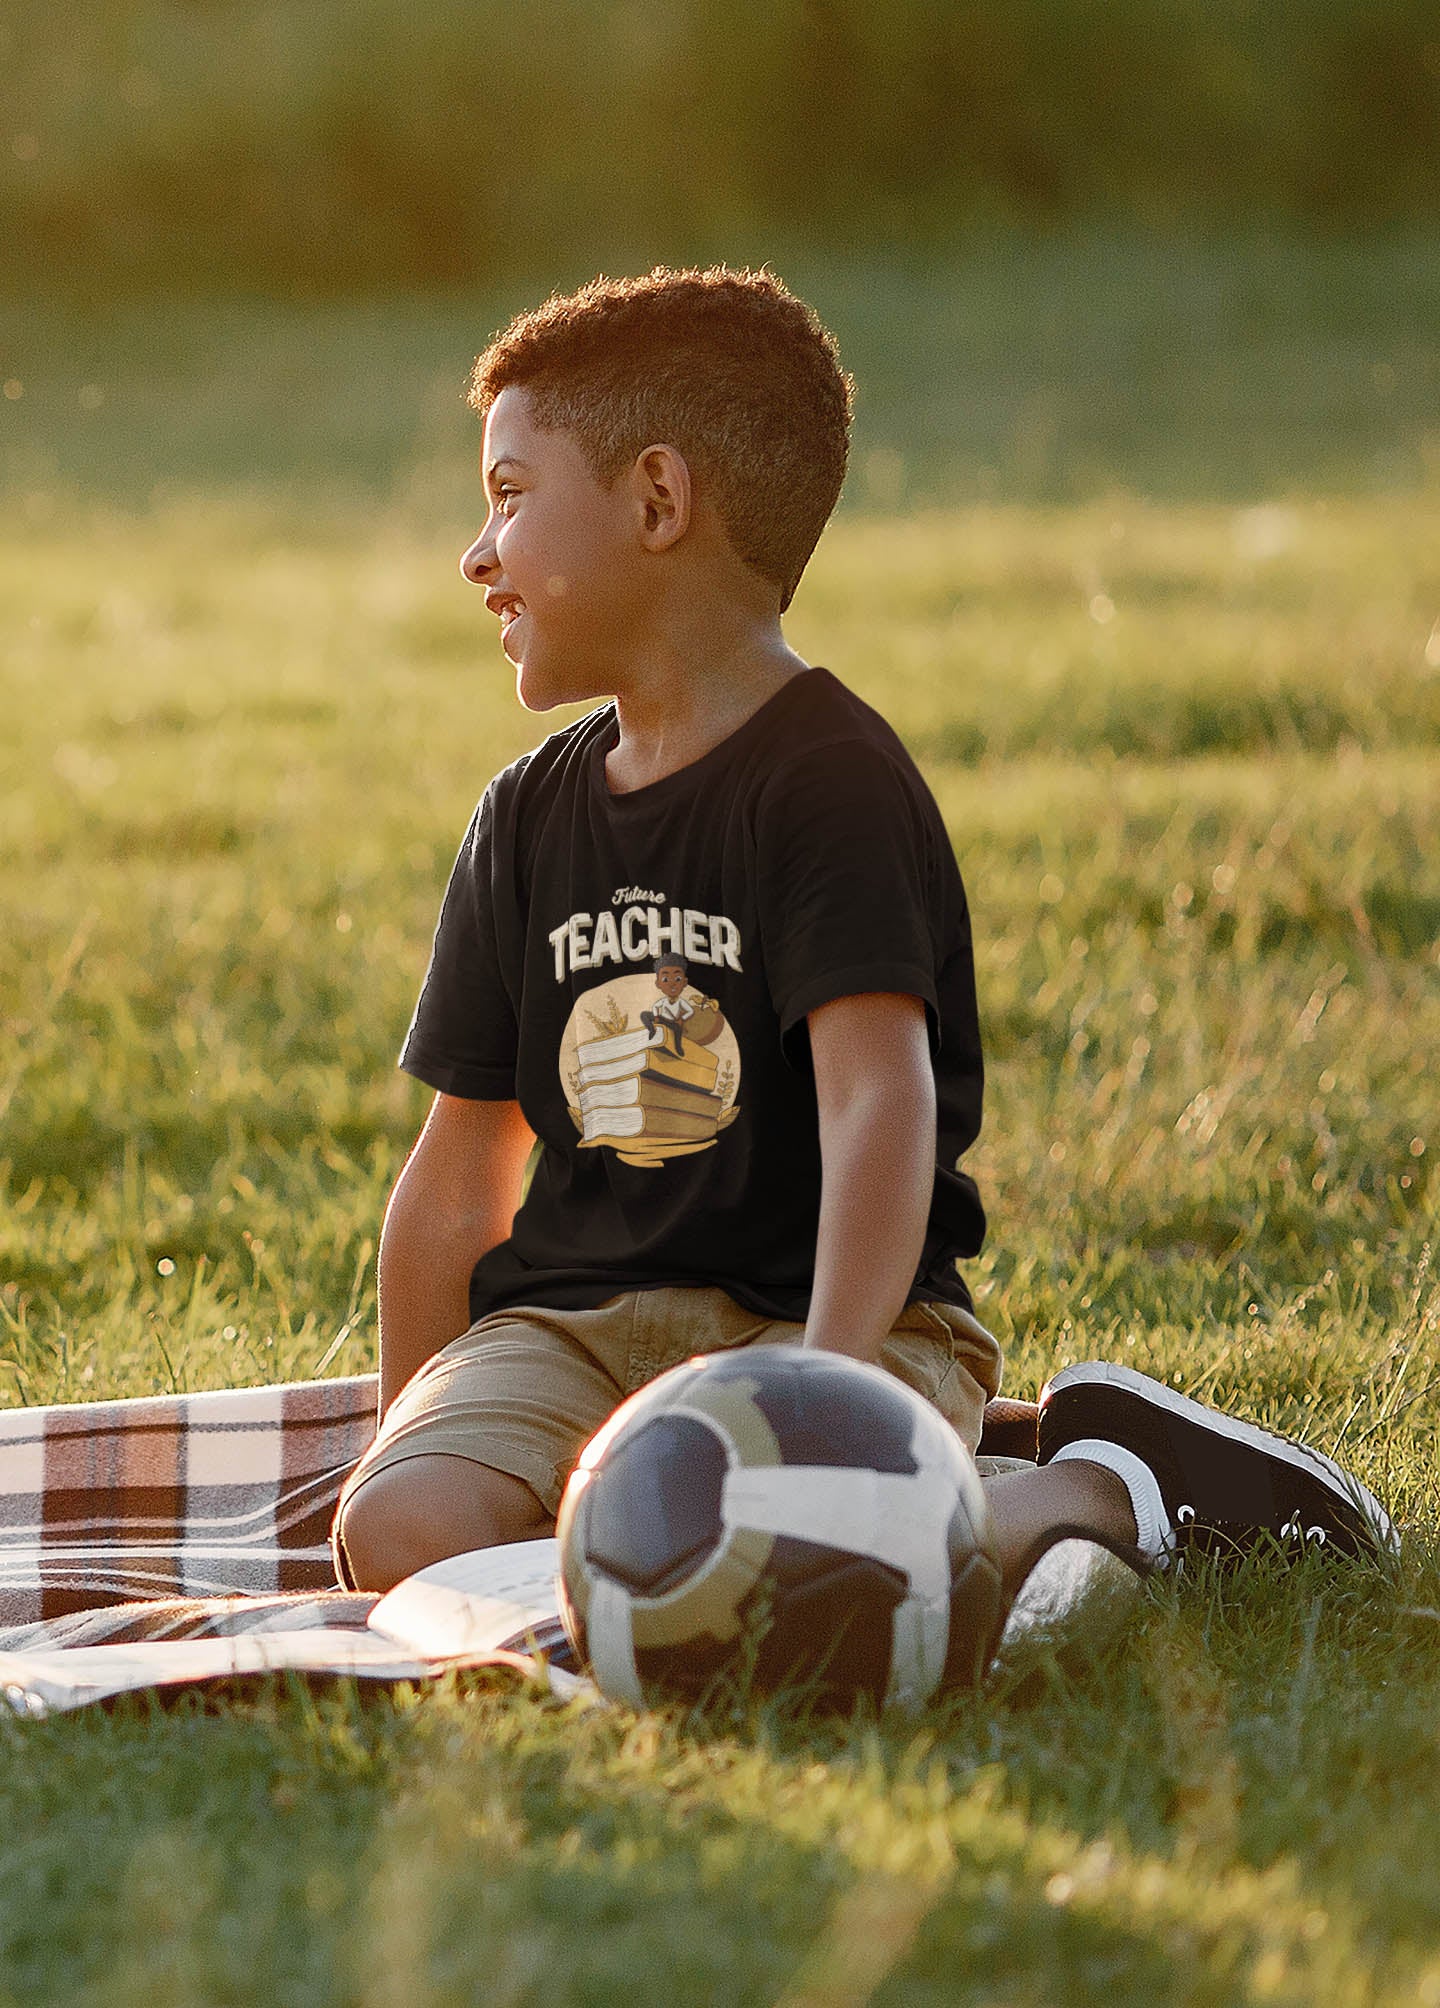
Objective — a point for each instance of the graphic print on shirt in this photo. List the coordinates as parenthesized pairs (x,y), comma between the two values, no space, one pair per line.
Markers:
(649,1065)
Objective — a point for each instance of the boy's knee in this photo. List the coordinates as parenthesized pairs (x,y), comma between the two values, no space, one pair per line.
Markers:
(406,1516)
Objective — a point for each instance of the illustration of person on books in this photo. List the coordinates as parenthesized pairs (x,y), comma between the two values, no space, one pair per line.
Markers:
(672,1008)
(664,1086)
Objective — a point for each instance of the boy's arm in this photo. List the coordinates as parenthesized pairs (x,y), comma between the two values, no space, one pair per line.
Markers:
(875,1086)
(455,1199)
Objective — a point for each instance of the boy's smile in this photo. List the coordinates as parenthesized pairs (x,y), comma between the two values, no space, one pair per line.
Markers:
(558,567)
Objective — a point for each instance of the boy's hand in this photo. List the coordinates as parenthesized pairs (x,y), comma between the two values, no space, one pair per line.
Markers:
(455,1200)
(875,1087)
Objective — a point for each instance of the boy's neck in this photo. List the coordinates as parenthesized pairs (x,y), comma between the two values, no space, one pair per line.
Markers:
(674,709)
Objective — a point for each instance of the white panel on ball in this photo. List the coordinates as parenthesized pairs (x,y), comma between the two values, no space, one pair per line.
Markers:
(612,1642)
(896,1518)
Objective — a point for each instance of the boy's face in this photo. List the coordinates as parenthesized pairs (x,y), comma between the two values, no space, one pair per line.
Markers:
(671,980)
(558,559)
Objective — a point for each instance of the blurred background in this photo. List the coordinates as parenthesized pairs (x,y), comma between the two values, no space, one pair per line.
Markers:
(1187,247)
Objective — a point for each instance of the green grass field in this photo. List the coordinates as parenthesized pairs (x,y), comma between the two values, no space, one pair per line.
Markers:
(1189,753)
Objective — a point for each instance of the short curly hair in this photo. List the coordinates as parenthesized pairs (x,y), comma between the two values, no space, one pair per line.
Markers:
(725,365)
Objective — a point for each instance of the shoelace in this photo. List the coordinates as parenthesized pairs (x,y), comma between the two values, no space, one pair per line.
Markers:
(1291,1531)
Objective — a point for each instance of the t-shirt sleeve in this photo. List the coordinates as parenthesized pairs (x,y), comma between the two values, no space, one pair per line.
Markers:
(463,1038)
(845,865)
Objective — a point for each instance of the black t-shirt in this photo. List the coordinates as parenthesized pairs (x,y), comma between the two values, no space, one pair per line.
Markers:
(800,860)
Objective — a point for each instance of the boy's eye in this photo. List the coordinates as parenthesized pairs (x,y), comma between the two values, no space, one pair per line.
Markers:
(504,496)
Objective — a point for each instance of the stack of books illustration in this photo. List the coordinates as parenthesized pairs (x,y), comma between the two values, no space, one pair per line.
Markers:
(640,1098)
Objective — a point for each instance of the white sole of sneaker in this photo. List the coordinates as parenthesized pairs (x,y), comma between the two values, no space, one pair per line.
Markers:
(1300,1455)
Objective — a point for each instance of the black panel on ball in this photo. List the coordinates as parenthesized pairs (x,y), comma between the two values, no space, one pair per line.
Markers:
(682,1672)
(976,1607)
(653,1513)
(831,1622)
(828,1410)
(820,1618)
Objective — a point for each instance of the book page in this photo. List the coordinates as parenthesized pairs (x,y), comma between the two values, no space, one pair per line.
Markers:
(1077,1599)
(489,1600)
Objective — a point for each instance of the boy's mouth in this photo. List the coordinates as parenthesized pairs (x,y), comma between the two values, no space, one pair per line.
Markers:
(509,609)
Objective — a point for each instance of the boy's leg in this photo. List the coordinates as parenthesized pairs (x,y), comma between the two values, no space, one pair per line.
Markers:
(408,1515)
(1026,1508)
(475,1450)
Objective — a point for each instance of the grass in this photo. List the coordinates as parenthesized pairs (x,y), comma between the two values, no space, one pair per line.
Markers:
(1175,363)
(1188,751)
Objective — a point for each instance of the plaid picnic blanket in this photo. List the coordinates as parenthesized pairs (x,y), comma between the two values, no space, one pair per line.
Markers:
(174,1496)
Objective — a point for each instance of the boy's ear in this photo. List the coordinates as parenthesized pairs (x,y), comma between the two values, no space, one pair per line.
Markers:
(662,485)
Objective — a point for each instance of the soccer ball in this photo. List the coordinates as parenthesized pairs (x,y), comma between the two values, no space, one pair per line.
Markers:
(778,1515)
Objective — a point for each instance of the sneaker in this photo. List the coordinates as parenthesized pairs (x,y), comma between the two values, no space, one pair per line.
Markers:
(1225,1484)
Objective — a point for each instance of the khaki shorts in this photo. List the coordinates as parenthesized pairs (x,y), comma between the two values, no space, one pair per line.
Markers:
(526,1388)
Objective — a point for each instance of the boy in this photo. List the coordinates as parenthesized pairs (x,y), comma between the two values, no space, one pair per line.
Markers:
(660,457)
(670,1009)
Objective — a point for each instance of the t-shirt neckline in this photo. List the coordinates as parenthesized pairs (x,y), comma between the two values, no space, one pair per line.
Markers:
(684,778)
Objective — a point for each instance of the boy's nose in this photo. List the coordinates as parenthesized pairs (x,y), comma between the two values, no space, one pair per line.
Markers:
(479,561)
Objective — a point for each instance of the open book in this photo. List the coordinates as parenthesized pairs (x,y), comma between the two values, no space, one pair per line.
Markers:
(496,1607)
